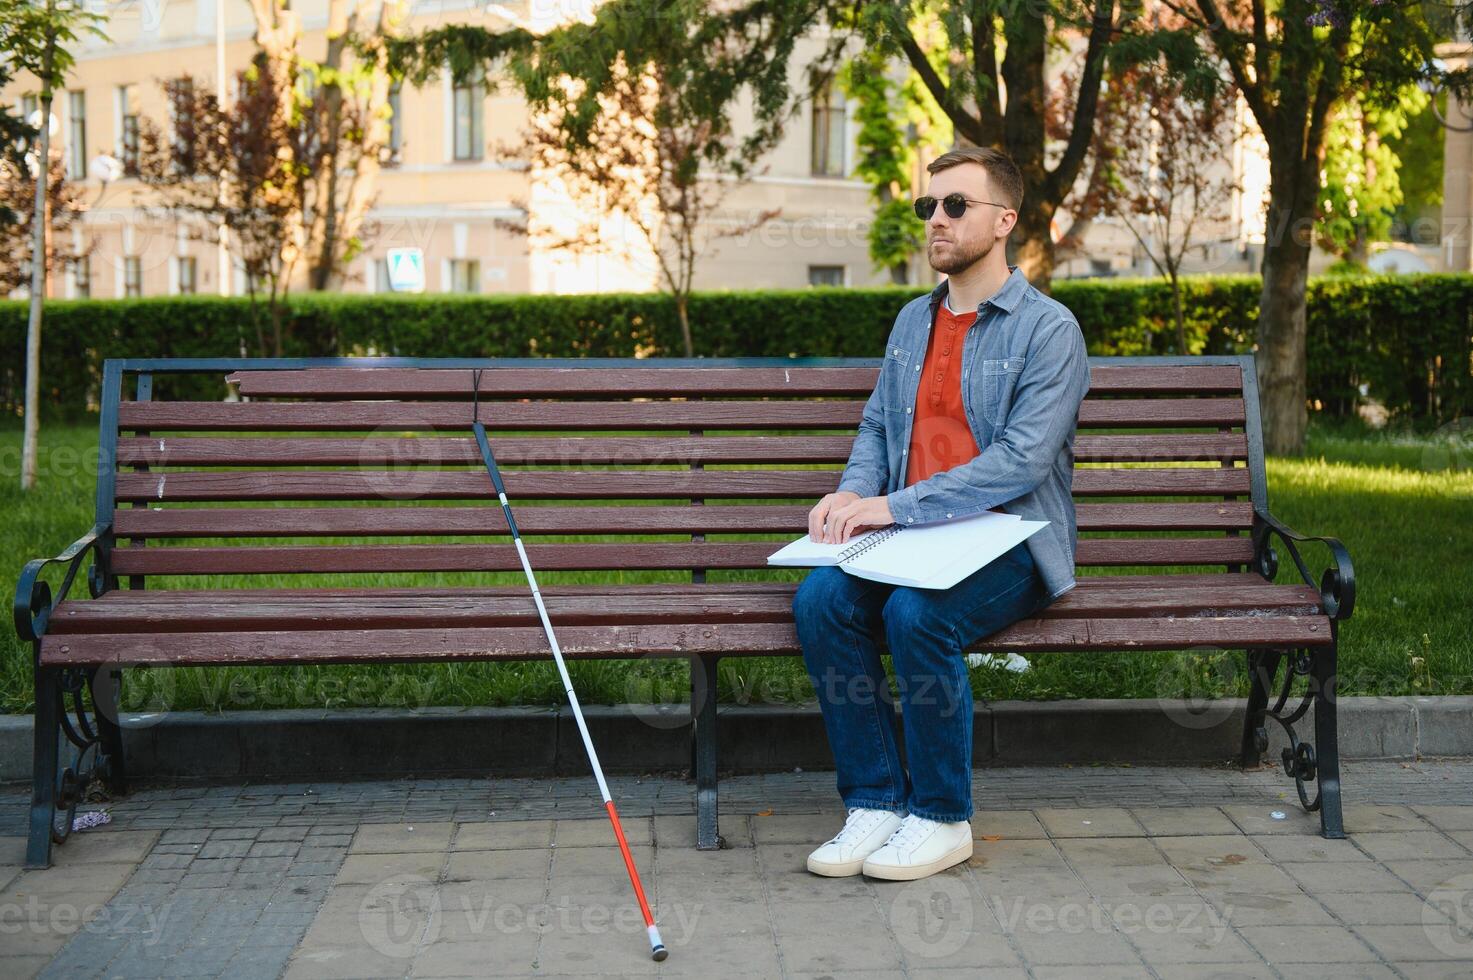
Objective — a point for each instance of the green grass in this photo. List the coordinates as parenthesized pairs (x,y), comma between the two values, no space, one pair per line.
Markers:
(1401,503)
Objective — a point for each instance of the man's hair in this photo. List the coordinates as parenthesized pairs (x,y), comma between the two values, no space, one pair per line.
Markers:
(1007,181)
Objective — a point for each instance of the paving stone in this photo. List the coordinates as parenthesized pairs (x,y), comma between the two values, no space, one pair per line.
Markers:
(1353,876)
(1308,944)
(401,838)
(503,835)
(1410,845)
(1176,821)
(1088,821)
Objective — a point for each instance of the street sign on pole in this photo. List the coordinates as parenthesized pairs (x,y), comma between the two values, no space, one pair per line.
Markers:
(406,270)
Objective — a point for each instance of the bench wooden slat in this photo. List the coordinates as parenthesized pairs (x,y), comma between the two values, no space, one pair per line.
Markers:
(163,485)
(673,555)
(347,382)
(186,416)
(592,642)
(274,522)
(593,450)
(222,611)
(1215,582)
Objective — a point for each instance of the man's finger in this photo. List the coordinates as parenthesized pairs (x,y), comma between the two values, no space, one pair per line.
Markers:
(815,519)
(836,517)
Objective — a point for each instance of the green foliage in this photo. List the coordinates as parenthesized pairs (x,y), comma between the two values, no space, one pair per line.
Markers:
(1421,375)
(1360,184)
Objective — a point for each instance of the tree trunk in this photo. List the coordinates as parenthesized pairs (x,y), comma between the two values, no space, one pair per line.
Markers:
(1280,356)
(682,308)
(323,265)
(32,433)
(1023,72)
(1034,251)
(1181,320)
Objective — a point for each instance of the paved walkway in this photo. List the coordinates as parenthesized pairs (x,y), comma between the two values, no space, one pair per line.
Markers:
(1102,872)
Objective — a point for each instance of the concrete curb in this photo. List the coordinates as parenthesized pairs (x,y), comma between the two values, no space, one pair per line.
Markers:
(345,744)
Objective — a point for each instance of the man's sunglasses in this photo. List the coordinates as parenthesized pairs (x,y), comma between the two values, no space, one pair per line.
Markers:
(955,205)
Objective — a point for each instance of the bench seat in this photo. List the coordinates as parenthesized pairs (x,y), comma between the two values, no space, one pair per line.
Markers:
(266,626)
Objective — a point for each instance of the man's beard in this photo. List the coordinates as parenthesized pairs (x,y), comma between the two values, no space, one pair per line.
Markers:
(956,259)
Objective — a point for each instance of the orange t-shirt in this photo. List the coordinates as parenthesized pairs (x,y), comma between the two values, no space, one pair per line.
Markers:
(941,438)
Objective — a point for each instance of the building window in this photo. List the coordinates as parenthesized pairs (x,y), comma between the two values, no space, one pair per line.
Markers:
(30,105)
(381,282)
(132,276)
(76,147)
(188,275)
(183,94)
(81,277)
(827,151)
(396,123)
(825,275)
(1100,267)
(465,275)
(128,128)
(469,103)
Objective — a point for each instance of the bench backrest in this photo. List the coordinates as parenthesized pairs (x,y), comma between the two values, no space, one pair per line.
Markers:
(1168,451)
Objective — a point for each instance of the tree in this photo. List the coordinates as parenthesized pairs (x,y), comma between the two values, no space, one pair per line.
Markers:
(888,152)
(64,210)
(342,106)
(637,109)
(1360,183)
(1295,63)
(1164,178)
(241,168)
(992,45)
(36,38)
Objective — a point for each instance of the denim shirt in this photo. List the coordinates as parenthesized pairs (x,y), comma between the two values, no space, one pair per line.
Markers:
(1024,373)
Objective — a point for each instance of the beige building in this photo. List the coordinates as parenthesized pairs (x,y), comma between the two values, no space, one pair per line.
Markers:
(451,186)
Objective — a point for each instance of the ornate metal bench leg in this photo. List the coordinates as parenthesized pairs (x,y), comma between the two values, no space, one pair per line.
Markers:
(45,772)
(1326,742)
(1262,665)
(703,719)
(106,694)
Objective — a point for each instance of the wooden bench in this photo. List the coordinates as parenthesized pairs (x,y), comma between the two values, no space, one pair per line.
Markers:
(664,441)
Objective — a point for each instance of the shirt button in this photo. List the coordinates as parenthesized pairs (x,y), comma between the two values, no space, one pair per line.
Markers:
(910,520)
(907,411)
(918,367)
(948,515)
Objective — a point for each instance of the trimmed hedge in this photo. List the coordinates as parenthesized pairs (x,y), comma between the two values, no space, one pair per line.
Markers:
(1407,339)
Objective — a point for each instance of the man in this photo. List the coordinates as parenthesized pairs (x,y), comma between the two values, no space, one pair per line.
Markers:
(984,361)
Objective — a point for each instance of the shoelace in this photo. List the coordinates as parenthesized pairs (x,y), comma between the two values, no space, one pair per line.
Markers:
(860,822)
(912,830)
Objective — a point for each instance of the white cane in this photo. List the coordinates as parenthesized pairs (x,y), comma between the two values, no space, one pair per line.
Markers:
(657,948)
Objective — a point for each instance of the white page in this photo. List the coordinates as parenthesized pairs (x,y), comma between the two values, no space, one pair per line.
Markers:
(806,551)
(941,554)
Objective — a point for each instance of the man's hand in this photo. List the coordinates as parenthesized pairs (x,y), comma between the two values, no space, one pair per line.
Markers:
(845,513)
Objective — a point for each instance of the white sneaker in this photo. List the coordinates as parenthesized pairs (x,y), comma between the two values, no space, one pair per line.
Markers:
(921,847)
(864,831)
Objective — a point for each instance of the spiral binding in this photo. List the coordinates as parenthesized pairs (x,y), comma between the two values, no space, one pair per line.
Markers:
(861,547)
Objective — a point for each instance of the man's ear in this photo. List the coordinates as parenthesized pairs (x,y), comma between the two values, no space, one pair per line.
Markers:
(1011,223)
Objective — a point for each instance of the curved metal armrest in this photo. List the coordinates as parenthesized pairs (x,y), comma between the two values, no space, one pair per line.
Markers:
(1337,584)
(33,602)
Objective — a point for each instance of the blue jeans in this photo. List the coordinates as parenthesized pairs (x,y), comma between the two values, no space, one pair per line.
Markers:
(841,619)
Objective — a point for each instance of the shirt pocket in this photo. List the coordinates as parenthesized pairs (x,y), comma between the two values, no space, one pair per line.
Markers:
(999,378)
(894,376)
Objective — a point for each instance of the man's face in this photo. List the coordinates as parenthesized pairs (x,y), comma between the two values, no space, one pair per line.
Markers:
(955,244)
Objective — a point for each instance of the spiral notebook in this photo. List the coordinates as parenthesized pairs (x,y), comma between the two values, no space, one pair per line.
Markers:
(935,555)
